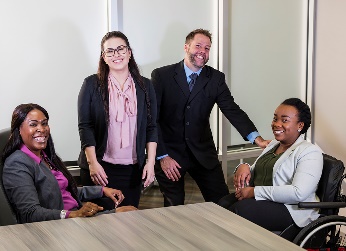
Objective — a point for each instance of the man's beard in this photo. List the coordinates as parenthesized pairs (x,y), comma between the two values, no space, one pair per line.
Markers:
(193,61)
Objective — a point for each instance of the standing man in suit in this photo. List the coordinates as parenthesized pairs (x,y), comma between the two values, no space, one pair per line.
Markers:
(186,93)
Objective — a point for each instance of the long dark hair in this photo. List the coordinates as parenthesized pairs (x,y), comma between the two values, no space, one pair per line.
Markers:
(103,71)
(15,141)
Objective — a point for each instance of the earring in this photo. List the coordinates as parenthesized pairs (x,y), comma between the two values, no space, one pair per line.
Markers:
(299,130)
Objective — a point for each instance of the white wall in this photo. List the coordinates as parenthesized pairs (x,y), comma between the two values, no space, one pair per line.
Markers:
(267,58)
(330,77)
(47,48)
(157,33)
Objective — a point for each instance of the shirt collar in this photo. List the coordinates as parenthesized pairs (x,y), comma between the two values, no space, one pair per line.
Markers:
(27,151)
(188,72)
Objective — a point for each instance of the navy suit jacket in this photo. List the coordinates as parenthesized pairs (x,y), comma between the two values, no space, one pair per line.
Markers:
(183,117)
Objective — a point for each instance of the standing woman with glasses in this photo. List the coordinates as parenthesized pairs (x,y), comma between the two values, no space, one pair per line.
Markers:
(117,122)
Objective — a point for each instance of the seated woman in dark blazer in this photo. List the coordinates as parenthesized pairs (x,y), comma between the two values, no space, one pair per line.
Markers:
(36,182)
(287,172)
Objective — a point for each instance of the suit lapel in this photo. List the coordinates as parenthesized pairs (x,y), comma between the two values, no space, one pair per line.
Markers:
(180,78)
(202,80)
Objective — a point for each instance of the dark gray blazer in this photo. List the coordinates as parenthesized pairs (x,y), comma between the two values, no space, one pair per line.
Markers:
(93,130)
(183,117)
(33,190)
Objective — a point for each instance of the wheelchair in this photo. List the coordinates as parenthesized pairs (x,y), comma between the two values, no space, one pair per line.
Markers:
(325,232)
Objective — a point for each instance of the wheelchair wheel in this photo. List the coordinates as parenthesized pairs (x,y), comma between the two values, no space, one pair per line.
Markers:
(321,233)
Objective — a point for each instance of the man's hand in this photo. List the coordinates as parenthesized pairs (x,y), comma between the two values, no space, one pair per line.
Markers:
(261,142)
(170,168)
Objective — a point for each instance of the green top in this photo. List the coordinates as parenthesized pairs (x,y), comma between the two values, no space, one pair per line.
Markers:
(263,171)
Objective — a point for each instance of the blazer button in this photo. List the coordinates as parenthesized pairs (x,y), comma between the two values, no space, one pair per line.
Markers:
(187,139)
(187,123)
(188,107)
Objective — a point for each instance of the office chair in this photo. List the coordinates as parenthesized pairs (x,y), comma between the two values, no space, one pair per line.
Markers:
(7,217)
(325,231)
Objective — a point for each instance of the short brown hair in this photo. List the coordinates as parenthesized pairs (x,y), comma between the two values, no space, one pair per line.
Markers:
(192,34)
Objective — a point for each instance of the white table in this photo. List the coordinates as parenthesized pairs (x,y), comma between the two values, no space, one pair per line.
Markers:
(202,226)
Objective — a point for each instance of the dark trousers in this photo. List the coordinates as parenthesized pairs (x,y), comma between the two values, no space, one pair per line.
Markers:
(127,178)
(270,215)
(211,182)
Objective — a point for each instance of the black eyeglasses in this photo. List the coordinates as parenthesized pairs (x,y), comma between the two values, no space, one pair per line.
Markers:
(122,49)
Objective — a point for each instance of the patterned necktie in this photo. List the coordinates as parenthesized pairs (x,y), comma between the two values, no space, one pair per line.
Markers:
(192,82)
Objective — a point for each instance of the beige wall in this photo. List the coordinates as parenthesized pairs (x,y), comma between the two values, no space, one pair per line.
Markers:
(330,78)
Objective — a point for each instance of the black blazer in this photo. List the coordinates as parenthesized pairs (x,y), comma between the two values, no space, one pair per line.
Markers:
(93,130)
(183,117)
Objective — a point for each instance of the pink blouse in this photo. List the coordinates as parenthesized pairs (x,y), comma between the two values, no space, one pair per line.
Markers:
(122,128)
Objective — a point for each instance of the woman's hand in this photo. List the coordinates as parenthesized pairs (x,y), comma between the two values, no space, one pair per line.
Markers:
(245,193)
(97,174)
(114,194)
(87,210)
(242,176)
(148,173)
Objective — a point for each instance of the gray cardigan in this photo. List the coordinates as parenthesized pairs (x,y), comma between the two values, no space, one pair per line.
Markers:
(295,179)
(33,190)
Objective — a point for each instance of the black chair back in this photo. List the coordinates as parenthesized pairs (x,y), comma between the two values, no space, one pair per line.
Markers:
(7,217)
(330,183)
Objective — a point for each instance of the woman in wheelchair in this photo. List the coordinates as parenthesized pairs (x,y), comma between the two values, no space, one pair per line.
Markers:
(286,173)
